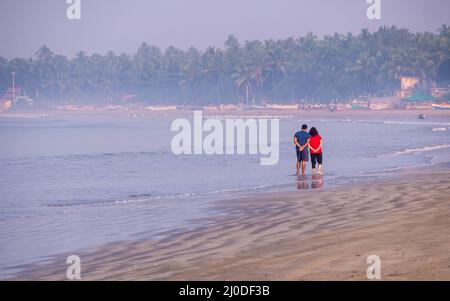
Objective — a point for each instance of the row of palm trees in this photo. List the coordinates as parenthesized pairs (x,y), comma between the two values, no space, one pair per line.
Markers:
(308,67)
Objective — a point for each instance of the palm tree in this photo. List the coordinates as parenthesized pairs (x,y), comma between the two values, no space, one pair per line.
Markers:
(307,67)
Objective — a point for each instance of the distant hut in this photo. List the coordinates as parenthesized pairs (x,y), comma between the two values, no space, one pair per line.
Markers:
(408,84)
(15,98)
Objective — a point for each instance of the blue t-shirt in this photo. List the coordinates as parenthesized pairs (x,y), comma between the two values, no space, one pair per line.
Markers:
(302,138)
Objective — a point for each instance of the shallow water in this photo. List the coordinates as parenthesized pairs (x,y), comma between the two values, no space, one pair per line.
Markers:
(69,182)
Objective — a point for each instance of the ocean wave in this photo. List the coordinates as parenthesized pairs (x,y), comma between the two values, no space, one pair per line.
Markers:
(392,169)
(199,194)
(37,115)
(75,156)
(439,129)
(419,150)
(142,198)
(221,117)
(416,123)
(395,122)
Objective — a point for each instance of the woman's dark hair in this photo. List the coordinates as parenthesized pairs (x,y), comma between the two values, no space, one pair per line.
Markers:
(313,132)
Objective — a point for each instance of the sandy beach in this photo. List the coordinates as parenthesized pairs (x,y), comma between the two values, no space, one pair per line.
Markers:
(138,112)
(324,234)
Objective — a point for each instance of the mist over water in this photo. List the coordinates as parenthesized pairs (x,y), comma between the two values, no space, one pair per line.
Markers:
(70,182)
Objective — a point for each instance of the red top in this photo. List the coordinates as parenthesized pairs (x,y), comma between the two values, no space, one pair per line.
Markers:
(315,143)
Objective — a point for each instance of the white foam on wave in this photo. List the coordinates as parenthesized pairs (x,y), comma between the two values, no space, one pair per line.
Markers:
(149,198)
(419,150)
(392,169)
(416,123)
(439,129)
(394,122)
(30,115)
(200,194)
(221,117)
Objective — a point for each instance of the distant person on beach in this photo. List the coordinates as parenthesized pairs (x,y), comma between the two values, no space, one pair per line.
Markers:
(301,141)
(315,146)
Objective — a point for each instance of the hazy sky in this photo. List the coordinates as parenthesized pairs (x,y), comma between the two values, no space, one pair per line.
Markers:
(121,25)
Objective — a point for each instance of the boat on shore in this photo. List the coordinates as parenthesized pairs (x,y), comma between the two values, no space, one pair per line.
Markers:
(162,108)
(444,106)
(282,106)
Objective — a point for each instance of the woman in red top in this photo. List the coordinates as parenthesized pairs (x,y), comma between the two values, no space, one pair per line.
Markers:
(315,146)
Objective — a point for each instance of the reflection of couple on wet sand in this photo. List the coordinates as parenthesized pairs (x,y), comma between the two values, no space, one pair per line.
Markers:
(308,143)
(316,182)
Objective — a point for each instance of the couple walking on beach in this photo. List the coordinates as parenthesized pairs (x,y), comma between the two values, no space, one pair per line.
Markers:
(308,143)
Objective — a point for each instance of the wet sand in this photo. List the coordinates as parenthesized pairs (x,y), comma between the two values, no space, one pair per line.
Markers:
(323,234)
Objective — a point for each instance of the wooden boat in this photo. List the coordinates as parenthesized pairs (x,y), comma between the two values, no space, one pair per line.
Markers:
(444,106)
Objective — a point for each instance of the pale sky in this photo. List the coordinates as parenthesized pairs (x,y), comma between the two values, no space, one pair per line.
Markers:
(121,25)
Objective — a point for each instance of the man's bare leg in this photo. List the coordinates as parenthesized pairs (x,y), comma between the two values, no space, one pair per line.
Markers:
(298,168)
(303,167)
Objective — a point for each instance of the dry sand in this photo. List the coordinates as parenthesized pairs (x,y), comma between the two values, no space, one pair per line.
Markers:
(306,235)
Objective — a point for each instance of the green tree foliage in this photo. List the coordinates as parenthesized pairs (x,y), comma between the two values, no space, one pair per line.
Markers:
(308,67)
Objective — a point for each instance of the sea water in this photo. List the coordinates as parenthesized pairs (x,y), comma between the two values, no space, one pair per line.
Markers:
(73,181)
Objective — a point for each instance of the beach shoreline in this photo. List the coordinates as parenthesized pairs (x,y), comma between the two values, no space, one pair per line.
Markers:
(324,234)
(270,113)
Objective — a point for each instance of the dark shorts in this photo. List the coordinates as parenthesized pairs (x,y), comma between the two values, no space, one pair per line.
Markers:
(303,156)
(316,158)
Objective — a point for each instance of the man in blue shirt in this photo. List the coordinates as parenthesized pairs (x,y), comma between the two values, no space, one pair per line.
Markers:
(301,141)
